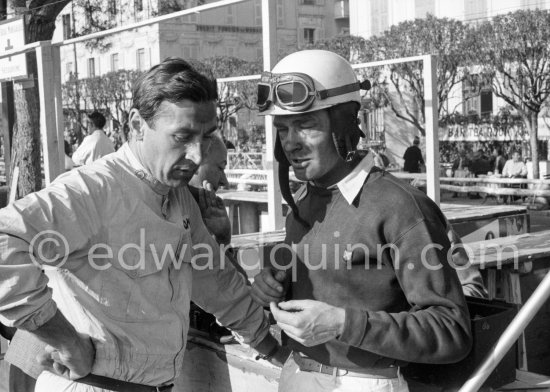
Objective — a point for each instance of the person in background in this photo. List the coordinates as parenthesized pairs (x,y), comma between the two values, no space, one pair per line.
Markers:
(209,177)
(515,167)
(479,164)
(413,157)
(380,159)
(499,161)
(113,318)
(211,171)
(69,164)
(96,145)
(352,314)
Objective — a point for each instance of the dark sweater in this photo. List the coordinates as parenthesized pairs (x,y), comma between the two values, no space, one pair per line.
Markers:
(394,313)
(413,159)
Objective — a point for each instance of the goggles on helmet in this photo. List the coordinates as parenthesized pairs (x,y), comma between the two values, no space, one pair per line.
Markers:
(294,92)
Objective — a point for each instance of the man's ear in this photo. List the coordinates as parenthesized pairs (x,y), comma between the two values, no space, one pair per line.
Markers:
(137,124)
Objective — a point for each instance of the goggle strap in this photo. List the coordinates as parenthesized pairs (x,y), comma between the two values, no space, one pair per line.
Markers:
(341,90)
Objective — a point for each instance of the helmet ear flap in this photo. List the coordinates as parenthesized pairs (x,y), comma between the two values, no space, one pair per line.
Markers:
(345,127)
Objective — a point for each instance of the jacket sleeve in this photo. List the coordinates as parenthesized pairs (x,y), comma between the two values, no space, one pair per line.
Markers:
(36,231)
(220,289)
(436,329)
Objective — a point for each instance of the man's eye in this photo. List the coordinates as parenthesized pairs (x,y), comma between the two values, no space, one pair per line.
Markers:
(180,139)
(307,124)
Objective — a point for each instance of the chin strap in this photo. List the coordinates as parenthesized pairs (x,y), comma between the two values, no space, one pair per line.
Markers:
(284,181)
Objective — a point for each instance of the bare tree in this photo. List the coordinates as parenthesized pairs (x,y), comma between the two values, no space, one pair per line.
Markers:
(446,38)
(513,54)
(233,96)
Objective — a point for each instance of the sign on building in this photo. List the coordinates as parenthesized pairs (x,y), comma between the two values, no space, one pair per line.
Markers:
(483,132)
(12,36)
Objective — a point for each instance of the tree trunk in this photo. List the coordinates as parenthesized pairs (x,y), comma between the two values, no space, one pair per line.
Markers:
(39,25)
(534,136)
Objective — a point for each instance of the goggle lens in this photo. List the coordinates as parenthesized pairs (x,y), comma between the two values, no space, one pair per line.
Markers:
(264,91)
(292,93)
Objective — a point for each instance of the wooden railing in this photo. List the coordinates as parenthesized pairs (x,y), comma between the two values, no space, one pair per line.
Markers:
(251,176)
(489,185)
(497,186)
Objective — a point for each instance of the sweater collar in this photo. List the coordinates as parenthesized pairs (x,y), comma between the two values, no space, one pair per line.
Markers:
(142,173)
(351,185)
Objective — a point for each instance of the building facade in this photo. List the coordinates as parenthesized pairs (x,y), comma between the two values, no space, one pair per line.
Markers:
(234,31)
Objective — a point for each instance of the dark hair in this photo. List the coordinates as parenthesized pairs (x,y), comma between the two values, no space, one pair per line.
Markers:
(173,80)
(68,149)
(416,140)
(98,120)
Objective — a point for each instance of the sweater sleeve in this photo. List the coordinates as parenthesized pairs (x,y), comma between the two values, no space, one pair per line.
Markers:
(436,329)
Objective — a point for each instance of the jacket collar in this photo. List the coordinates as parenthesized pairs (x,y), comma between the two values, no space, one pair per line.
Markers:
(142,173)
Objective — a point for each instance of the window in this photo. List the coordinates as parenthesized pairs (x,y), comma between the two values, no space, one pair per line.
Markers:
(257,13)
(486,102)
(138,5)
(424,7)
(68,67)
(67,33)
(114,62)
(140,59)
(308,2)
(477,97)
(112,8)
(91,67)
(379,16)
(280,13)
(229,17)
(190,52)
(309,35)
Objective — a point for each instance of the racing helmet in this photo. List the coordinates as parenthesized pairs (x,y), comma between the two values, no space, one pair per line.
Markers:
(307,81)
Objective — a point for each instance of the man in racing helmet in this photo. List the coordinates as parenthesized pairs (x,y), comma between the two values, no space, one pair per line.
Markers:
(364,285)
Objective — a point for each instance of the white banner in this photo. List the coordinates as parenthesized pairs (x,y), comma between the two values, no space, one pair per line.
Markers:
(483,132)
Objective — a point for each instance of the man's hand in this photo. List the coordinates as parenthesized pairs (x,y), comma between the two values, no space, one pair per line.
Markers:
(309,322)
(73,360)
(269,286)
(213,213)
(67,353)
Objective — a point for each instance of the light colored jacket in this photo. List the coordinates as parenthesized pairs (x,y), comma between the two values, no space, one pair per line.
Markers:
(132,304)
(513,169)
(93,147)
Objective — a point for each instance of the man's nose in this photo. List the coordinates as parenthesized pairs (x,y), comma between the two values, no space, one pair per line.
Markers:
(194,153)
(292,140)
(223,180)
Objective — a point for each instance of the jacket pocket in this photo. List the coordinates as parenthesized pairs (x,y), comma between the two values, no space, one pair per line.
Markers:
(134,288)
